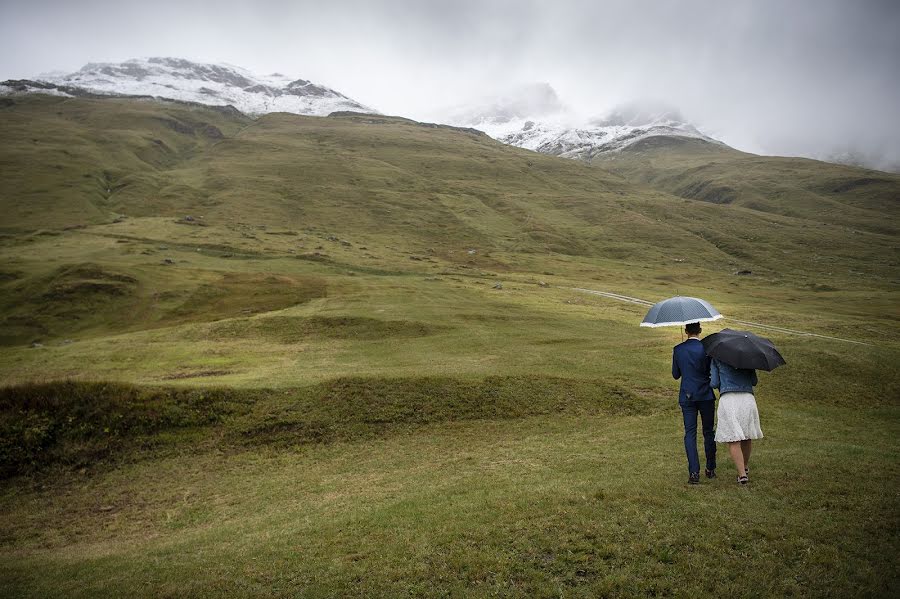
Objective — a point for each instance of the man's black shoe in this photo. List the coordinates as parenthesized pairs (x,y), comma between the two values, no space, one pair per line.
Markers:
(710,473)
(694,478)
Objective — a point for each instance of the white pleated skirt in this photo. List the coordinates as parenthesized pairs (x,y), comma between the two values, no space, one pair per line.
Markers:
(738,418)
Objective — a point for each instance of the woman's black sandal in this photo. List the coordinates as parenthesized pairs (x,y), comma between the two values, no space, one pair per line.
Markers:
(743,479)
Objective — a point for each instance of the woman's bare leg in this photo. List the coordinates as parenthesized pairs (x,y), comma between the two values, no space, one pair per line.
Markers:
(746,445)
(737,456)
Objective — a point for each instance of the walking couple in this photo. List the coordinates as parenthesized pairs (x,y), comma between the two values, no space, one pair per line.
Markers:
(737,413)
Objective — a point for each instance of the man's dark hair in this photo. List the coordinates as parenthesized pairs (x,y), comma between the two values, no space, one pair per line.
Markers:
(692,328)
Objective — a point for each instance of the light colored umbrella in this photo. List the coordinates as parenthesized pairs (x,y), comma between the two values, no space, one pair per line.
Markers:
(679,311)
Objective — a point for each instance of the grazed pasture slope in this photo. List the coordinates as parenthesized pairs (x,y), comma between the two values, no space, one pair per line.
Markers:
(856,198)
(290,372)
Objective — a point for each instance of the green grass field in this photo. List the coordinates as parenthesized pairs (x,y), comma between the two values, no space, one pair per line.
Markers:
(312,387)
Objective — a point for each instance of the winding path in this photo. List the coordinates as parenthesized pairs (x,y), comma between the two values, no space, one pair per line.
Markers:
(641,302)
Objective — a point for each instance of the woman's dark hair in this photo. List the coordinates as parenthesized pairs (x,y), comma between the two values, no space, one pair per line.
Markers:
(693,328)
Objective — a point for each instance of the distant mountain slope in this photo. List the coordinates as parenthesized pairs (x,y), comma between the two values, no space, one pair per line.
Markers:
(213,84)
(821,192)
(75,162)
(118,214)
(410,185)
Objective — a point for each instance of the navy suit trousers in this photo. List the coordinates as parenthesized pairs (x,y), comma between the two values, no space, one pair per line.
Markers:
(707,411)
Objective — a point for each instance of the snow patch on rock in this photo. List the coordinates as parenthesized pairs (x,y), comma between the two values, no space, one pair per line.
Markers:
(204,83)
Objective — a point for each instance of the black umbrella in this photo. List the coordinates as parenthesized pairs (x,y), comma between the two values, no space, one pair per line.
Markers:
(743,349)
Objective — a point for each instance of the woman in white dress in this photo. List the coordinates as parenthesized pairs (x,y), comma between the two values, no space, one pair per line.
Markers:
(738,417)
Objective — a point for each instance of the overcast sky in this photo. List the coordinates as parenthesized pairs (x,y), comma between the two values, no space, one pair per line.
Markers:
(772,76)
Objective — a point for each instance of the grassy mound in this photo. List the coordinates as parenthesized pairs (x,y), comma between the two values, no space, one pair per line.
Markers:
(69,294)
(241,293)
(76,423)
(292,329)
(83,298)
(354,407)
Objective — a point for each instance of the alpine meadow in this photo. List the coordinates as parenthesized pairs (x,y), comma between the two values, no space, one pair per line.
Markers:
(356,355)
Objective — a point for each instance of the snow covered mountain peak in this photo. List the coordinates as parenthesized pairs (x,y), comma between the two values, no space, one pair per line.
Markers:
(533,117)
(205,83)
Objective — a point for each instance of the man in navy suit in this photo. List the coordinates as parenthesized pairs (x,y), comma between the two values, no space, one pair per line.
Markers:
(691,364)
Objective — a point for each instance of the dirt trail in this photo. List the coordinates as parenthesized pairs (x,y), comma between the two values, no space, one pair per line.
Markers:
(641,302)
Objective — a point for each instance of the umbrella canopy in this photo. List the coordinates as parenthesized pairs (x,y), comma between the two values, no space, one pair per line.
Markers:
(743,349)
(679,311)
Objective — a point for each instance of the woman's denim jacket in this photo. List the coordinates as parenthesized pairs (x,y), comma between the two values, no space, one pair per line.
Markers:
(728,379)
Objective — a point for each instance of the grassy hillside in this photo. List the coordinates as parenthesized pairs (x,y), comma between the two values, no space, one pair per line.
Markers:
(823,193)
(189,216)
(276,361)
(69,163)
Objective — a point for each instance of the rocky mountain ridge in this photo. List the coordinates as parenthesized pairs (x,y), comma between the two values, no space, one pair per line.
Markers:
(531,116)
(204,83)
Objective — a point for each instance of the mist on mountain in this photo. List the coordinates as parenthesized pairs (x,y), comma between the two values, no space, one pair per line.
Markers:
(532,116)
(813,78)
(531,100)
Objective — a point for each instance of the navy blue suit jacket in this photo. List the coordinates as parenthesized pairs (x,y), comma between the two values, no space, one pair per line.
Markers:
(691,364)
